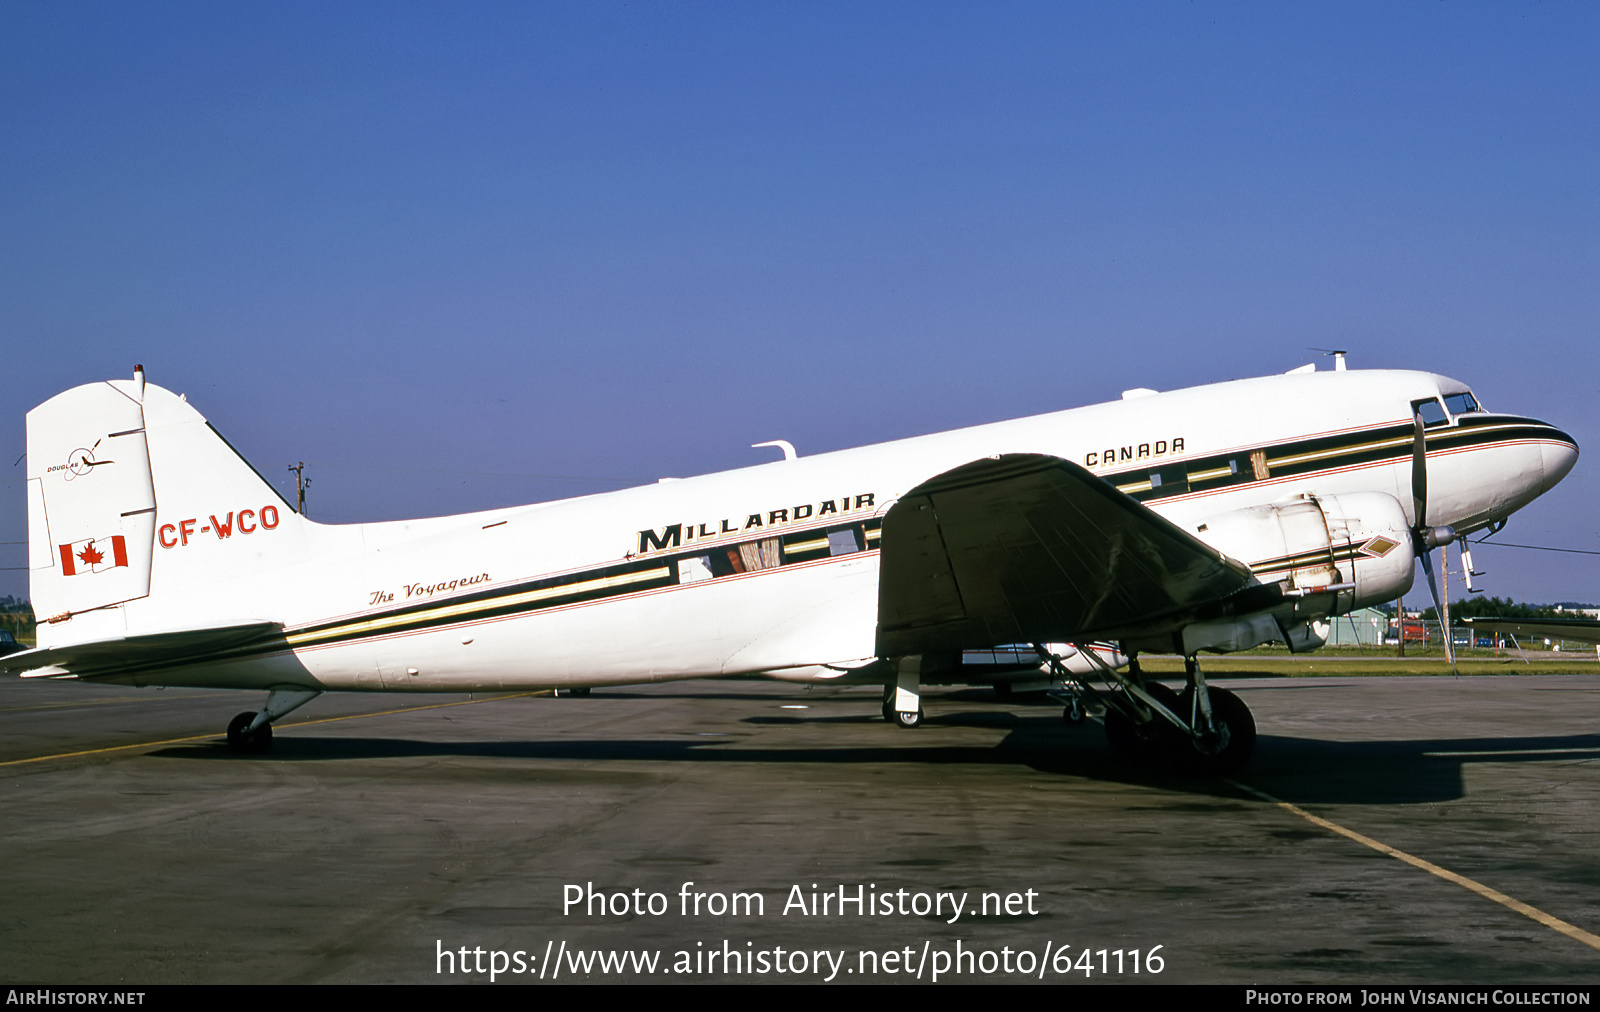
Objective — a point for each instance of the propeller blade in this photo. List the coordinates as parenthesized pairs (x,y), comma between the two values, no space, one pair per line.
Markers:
(1419,474)
(1438,609)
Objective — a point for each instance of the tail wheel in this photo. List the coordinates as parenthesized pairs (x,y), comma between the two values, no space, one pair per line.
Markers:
(242,739)
(908,718)
(1234,741)
(1152,742)
(901,718)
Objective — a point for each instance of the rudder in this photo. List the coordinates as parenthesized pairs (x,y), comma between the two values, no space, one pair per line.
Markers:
(91,502)
(134,497)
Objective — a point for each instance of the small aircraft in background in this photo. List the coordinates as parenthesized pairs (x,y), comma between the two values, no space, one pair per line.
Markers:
(1579,628)
(1208,519)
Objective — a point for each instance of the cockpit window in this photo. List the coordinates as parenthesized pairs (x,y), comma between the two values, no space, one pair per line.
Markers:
(1460,404)
(1431,412)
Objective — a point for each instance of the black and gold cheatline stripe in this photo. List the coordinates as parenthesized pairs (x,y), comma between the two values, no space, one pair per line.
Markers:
(1387,444)
(606,582)
(1320,557)
(707,563)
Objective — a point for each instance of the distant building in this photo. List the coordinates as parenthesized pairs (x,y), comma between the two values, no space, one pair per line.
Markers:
(1364,628)
(1586,612)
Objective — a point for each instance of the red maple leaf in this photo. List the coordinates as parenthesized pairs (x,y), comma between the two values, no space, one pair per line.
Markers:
(89,556)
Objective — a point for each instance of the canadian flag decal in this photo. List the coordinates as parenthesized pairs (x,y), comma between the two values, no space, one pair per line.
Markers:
(94,555)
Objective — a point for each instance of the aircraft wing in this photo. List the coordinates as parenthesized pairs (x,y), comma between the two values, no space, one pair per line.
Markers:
(1026,548)
(131,654)
(1585,629)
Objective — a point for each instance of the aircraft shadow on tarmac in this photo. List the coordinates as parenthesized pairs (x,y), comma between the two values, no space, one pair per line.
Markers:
(1301,770)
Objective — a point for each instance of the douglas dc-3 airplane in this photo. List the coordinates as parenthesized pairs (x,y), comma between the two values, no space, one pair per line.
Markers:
(1209,519)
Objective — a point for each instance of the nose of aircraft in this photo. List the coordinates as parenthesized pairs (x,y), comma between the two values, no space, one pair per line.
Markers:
(1560,452)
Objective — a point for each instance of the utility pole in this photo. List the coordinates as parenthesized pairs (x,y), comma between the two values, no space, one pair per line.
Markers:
(301,483)
(1400,626)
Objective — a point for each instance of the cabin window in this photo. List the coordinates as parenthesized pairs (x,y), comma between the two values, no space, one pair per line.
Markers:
(1258,466)
(843,542)
(694,569)
(1170,480)
(758,555)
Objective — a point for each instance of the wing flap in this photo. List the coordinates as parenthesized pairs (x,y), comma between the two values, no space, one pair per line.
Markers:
(1031,548)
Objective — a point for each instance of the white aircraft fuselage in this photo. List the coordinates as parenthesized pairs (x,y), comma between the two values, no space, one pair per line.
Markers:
(772,569)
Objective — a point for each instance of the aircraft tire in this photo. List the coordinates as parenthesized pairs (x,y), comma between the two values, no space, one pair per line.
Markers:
(1239,737)
(1073,713)
(1148,744)
(245,741)
(908,718)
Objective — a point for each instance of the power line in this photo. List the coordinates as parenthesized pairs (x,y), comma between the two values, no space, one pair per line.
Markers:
(1537,548)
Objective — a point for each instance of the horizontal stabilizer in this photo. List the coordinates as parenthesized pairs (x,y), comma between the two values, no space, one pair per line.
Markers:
(1027,548)
(129,655)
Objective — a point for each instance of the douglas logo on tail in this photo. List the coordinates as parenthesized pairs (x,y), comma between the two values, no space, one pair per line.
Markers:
(983,555)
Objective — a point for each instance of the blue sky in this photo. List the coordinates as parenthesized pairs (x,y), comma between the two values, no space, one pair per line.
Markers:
(469,255)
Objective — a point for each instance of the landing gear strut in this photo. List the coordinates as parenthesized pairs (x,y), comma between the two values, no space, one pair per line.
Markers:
(1223,734)
(1150,742)
(902,700)
(1230,740)
(1203,731)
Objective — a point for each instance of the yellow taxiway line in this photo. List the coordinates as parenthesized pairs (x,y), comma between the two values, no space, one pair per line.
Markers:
(303,723)
(1551,922)
(99,702)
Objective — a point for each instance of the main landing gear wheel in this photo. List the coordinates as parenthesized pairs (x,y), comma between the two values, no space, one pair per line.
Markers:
(1073,712)
(1150,743)
(1230,747)
(241,739)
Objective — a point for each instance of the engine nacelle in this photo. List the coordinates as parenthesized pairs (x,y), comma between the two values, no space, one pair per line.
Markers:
(1333,554)
(1076,662)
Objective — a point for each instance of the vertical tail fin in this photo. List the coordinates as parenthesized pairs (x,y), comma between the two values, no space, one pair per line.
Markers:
(135,500)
